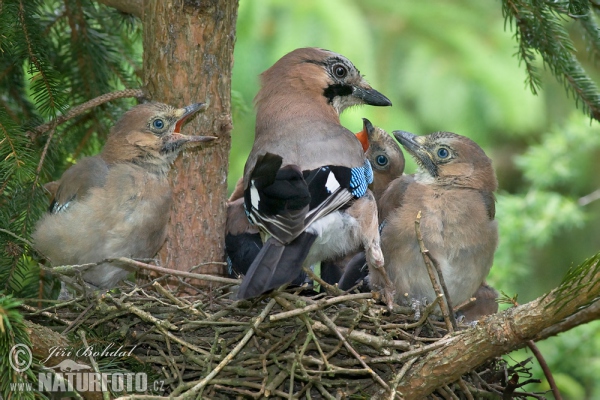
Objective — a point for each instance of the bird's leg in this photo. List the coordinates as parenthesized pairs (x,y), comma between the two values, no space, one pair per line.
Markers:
(364,210)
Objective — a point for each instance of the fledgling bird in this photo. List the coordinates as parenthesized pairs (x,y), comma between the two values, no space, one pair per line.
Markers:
(485,304)
(384,154)
(116,204)
(306,178)
(454,191)
(387,161)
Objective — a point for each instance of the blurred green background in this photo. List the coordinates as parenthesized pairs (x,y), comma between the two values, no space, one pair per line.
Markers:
(451,65)
(445,64)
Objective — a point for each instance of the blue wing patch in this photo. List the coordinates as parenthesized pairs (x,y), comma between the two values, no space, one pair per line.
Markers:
(360,179)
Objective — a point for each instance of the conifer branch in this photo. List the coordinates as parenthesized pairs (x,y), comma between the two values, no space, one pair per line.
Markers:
(80,109)
(133,7)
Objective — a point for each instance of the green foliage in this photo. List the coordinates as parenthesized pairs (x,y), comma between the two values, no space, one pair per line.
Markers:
(13,332)
(540,29)
(53,54)
(573,360)
(446,65)
(565,157)
(457,73)
(557,171)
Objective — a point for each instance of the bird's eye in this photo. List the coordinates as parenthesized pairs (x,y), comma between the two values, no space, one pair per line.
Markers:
(443,153)
(158,123)
(381,160)
(339,70)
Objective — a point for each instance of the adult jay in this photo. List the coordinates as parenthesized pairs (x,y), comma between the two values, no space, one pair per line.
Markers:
(306,178)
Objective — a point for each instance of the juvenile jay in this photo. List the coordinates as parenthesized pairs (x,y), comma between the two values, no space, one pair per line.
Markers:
(116,204)
(305,180)
(384,154)
(387,160)
(454,191)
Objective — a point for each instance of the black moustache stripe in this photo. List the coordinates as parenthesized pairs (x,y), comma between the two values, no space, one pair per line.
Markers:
(337,90)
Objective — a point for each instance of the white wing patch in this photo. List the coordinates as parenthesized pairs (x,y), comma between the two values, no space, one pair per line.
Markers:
(254,197)
(332,184)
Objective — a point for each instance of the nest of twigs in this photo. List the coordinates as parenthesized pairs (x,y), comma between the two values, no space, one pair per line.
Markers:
(200,343)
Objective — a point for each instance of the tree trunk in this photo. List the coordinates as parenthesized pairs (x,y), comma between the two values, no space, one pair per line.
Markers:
(188,58)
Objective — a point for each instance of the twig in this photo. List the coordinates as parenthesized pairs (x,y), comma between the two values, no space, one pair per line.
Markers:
(75,111)
(45,314)
(319,305)
(27,242)
(400,375)
(589,198)
(105,394)
(150,267)
(192,392)
(175,300)
(142,314)
(78,320)
(329,323)
(430,270)
(377,342)
(440,276)
(547,373)
(465,389)
(408,354)
(426,312)
(334,290)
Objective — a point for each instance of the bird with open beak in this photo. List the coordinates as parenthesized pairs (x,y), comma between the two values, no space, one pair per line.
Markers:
(117,203)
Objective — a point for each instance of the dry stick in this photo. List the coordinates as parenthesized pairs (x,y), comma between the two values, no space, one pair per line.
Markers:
(430,271)
(399,376)
(79,320)
(311,333)
(377,342)
(318,305)
(46,314)
(438,269)
(464,304)
(540,358)
(542,361)
(105,394)
(145,316)
(465,389)
(330,288)
(204,277)
(193,391)
(75,111)
(451,392)
(399,357)
(178,302)
(329,323)
(426,312)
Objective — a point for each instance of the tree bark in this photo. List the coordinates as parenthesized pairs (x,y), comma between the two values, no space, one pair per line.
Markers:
(188,58)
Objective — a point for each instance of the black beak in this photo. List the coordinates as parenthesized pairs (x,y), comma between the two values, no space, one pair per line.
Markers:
(192,108)
(368,127)
(417,150)
(407,140)
(370,96)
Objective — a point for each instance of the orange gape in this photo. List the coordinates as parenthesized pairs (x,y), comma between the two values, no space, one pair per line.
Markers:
(364,139)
